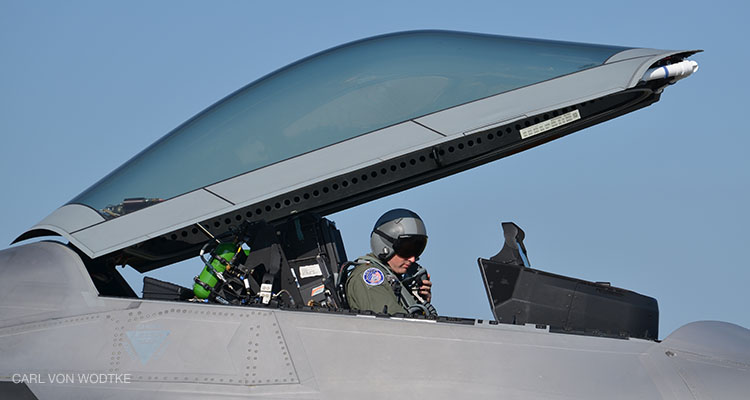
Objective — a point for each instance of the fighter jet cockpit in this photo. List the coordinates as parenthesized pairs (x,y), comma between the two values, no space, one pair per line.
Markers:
(301,264)
(247,183)
(246,192)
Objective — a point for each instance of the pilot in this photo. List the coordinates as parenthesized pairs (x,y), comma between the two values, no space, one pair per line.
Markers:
(397,241)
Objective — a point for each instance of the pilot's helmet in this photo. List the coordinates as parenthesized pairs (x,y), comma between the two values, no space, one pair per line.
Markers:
(399,231)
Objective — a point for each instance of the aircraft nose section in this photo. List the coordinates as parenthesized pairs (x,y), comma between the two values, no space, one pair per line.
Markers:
(713,339)
(710,357)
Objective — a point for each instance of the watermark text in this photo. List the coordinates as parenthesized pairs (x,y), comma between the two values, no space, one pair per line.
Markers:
(71,378)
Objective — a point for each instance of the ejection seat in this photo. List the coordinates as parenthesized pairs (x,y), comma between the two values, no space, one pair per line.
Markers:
(299,257)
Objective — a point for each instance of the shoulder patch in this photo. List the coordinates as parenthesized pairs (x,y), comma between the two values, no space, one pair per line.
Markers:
(373,277)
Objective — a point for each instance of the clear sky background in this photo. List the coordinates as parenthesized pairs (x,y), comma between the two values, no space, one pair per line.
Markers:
(655,201)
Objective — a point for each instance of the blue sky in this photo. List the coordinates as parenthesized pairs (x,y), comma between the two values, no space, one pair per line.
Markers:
(655,201)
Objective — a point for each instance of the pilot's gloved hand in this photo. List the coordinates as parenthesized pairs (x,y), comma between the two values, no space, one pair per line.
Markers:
(425,291)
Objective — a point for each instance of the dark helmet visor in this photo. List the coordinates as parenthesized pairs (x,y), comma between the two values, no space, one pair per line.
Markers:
(407,246)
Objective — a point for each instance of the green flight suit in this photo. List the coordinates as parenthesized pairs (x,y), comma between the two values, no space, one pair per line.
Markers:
(369,287)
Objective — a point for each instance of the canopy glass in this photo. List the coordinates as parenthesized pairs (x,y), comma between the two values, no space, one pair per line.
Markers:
(330,97)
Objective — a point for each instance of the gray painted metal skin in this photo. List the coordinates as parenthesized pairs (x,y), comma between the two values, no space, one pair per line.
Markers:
(55,330)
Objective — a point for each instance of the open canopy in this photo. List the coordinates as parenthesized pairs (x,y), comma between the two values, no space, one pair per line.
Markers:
(349,125)
(330,97)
